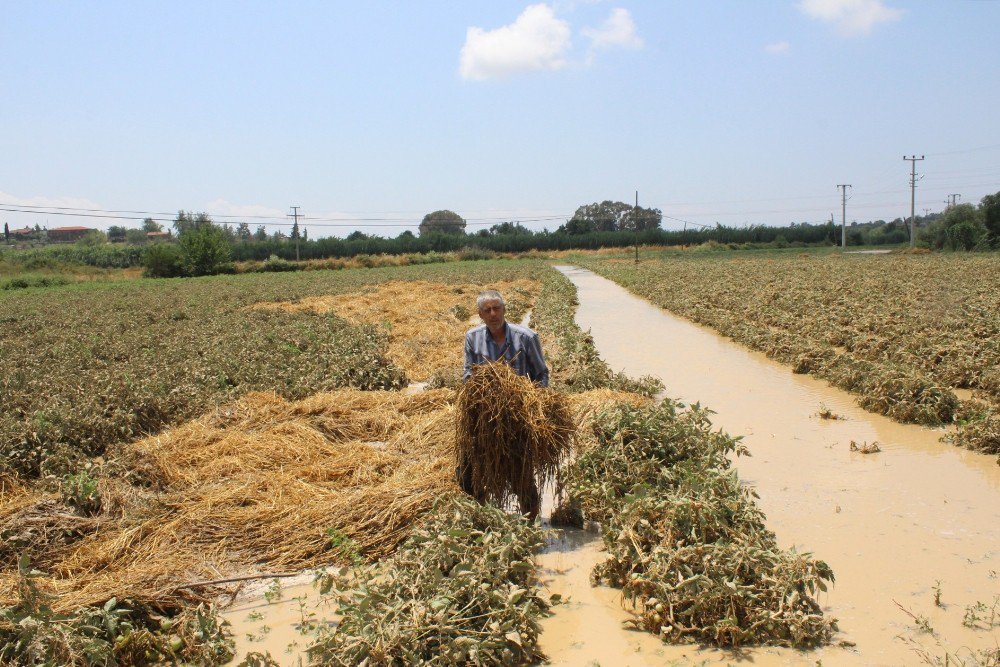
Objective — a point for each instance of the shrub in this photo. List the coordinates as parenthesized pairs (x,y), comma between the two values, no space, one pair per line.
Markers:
(163,260)
(205,250)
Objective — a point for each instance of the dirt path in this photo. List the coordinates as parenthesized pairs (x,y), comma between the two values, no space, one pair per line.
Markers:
(891,524)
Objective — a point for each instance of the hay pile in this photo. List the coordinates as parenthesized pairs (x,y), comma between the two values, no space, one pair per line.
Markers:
(250,487)
(425,321)
(254,487)
(510,433)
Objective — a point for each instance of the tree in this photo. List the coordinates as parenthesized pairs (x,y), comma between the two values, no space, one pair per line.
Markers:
(989,207)
(150,225)
(243,232)
(94,237)
(163,260)
(612,216)
(6,233)
(135,237)
(444,221)
(295,231)
(960,228)
(508,228)
(357,235)
(185,221)
(204,248)
(260,234)
(116,233)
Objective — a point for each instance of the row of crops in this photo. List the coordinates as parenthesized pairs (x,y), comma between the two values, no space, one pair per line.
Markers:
(112,500)
(903,332)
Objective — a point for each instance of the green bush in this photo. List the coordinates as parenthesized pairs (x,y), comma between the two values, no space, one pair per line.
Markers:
(163,260)
(205,249)
(276,264)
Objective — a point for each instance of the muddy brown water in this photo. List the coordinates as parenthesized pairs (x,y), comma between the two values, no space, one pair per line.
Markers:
(893,525)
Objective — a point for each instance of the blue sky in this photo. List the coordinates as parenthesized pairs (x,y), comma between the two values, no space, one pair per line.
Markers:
(368,115)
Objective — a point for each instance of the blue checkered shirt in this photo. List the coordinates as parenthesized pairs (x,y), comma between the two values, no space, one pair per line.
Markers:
(521,349)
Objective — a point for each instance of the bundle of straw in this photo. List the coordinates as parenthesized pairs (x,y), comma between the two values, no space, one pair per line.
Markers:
(511,433)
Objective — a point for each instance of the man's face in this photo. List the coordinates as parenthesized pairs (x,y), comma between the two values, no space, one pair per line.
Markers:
(492,313)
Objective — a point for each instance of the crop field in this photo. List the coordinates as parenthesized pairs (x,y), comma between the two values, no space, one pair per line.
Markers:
(162,438)
(915,337)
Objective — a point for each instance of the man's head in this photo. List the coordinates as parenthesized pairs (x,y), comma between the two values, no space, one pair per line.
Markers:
(491,308)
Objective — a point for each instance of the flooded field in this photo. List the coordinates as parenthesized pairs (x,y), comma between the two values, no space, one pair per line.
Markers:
(896,526)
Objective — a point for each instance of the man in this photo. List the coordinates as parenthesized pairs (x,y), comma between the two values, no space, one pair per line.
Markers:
(496,338)
(520,347)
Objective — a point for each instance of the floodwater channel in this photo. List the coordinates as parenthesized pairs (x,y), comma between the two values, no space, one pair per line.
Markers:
(894,526)
(920,515)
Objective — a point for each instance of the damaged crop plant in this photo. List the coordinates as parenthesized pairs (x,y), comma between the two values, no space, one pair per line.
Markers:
(461,590)
(900,331)
(125,505)
(687,544)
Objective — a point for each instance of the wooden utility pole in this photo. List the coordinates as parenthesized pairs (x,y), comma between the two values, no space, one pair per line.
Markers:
(295,214)
(843,213)
(913,197)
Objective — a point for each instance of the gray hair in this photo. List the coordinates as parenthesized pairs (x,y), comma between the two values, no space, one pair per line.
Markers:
(489,295)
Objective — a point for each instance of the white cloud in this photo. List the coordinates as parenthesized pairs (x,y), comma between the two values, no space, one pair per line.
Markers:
(226,208)
(48,202)
(536,40)
(778,48)
(851,17)
(618,30)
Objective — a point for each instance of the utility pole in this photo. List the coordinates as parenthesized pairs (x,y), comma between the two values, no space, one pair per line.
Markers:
(635,221)
(295,214)
(952,200)
(913,196)
(843,213)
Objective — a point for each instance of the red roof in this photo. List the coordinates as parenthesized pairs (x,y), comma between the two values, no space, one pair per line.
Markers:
(71,229)
(26,230)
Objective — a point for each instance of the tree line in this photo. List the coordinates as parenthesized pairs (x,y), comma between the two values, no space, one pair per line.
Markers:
(199,246)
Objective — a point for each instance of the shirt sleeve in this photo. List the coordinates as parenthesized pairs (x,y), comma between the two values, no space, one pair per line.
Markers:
(539,371)
(469,357)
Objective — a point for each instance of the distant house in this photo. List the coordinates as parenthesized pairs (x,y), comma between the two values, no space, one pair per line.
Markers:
(22,233)
(68,234)
(157,236)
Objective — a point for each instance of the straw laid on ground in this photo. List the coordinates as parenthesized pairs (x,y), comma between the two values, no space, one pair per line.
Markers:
(252,486)
(510,432)
(423,321)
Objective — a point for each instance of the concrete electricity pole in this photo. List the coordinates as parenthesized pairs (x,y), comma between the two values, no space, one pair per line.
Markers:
(843,213)
(952,200)
(635,215)
(913,196)
(295,214)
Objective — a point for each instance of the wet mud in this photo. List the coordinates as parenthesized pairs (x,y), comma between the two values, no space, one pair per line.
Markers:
(897,526)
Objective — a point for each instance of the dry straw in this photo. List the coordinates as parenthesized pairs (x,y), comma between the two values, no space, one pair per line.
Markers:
(423,321)
(252,486)
(510,432)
